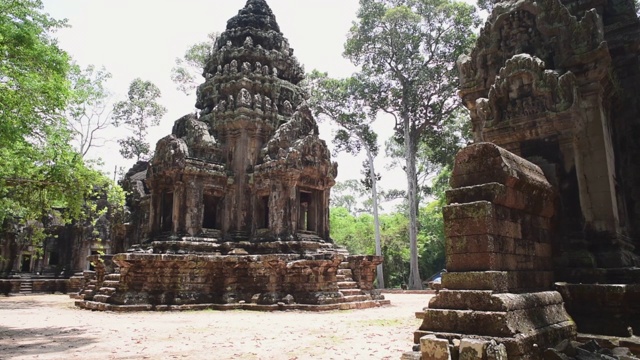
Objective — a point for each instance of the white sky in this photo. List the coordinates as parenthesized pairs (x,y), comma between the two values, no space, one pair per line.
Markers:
(142,38)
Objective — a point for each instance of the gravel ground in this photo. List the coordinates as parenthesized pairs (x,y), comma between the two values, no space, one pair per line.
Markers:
(50,327)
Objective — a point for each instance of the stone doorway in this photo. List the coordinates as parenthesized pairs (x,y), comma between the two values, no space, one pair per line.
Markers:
(166,218)
(25,264)
(210,212)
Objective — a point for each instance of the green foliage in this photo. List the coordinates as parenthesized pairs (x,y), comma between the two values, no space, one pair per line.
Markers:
(188,69)
(353,231)
(41,175)
(356,233)
(140,111)
(33,70)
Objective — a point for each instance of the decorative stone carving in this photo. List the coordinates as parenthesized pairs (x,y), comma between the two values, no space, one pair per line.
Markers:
(267,104)
(287,108)
(246,68)
(257,102)
(244,98)
(238,203)
(233,67)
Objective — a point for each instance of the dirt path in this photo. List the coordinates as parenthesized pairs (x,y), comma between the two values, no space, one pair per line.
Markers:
(50,327)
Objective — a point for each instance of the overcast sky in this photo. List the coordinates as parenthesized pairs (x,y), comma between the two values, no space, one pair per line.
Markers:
(142,38)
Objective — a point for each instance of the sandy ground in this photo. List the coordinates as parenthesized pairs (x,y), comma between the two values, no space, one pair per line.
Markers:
(50,327)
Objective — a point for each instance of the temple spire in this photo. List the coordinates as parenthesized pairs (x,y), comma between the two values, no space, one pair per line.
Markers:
(256,14)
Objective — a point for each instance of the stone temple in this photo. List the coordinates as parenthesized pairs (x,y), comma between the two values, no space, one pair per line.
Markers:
(233,208)
(543,221)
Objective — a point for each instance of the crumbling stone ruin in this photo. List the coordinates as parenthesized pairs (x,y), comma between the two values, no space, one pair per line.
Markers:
(237,196)
(544,211)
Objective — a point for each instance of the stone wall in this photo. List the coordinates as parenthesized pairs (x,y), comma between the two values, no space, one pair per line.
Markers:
(38,286)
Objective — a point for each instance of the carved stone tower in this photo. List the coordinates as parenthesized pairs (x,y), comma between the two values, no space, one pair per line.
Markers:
(237,196)
(251,167)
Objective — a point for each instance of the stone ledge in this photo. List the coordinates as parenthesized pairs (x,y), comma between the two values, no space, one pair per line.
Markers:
(92,305)
(519,347)
(493,323)
(498,281)
(486,300)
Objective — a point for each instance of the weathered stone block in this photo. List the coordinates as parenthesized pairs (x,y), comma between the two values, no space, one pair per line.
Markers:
(482,226)
(492,262)
(498,281)
(484,163)
(487,300)
(472,349)
(433,348)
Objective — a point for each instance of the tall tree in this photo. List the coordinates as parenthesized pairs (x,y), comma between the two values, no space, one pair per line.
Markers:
(189,67)
(343,101)
(139,112)
(38,165)
(408,51)
(88,112)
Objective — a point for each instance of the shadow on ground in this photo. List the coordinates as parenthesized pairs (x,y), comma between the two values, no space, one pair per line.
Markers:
(16,342)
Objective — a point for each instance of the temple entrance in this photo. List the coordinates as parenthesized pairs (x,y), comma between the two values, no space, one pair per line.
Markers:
(25,265)
(91,267)
(210,212)
(307,219)
(262,212)
(166,218)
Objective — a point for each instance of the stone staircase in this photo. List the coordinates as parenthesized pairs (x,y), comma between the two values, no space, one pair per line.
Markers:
(108,288)
(348,287)
(26,285)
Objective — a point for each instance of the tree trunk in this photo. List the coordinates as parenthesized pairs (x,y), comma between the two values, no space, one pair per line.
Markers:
(376,218)
(415,283)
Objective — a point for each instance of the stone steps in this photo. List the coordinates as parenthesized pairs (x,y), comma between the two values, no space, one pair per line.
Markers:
(112,277)
(101,298)
(26,287)
(347,284)
(356,298)
(349,292)
(106,291)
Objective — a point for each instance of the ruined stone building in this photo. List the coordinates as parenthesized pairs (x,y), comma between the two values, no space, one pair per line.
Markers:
(233,207)
(544,214)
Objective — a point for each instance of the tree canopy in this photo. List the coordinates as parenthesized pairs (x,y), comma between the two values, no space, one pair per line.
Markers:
(40,172)
(140,111)
(408,50)
(189,67)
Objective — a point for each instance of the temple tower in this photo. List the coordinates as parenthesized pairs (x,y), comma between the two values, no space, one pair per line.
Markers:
(268,175)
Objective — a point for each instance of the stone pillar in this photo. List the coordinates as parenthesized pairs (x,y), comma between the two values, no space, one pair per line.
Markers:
(191,211)
(179,206)
(595,167)
(499,269)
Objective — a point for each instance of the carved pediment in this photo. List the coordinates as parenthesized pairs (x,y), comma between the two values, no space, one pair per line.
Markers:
(541,28)
(524,90)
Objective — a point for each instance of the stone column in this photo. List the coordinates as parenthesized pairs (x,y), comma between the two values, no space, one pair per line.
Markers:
(595,167)
(499,270)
